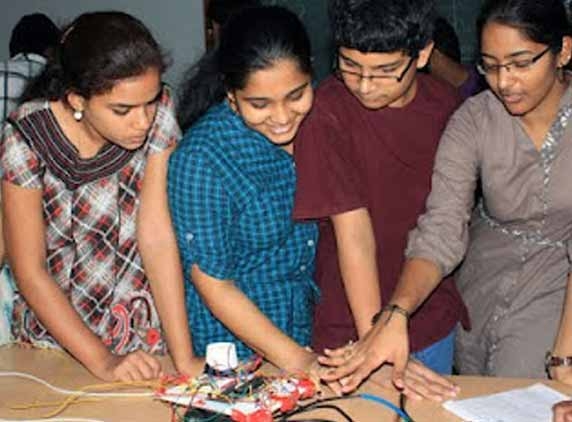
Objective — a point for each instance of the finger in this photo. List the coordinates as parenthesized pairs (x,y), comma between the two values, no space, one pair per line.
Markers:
(426,388)
(412,394)
(362,372)
(123,374)
(332,361)
(136,367)
(339,352)
(139,367)
(336,387)
(338,357)
(398,374)
(153,363)
(342,371)
(415,368)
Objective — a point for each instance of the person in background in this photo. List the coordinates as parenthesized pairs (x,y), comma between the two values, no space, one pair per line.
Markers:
(563,411)
(364,170)
(445,61)
(516,139)
(86,221)
(219,12)
(32,39)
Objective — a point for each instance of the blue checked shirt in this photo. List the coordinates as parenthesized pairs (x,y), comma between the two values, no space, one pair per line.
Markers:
(231,194)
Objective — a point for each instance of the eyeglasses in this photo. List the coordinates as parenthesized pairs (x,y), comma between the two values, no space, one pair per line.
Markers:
(515,66)
(357,77)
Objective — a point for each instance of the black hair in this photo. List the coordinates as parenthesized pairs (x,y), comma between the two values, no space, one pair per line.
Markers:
(220,11)
(542,21)
(34,33)
(253,39)
(446,39)
(95,51)
(383,26)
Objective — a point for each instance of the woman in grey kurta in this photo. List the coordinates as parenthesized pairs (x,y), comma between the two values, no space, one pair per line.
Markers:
(517,246)
(515,140)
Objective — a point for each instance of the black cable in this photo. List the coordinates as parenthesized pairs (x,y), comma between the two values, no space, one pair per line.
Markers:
(318,404)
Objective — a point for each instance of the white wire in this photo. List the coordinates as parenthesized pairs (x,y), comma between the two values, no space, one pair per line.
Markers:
(69,392)
(53,420)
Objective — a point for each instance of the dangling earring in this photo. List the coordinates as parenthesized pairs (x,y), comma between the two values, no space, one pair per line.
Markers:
(78,115)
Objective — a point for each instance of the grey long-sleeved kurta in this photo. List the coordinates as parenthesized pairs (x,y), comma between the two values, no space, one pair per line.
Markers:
(517,246)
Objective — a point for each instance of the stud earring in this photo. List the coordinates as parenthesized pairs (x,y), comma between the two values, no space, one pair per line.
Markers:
(78,115)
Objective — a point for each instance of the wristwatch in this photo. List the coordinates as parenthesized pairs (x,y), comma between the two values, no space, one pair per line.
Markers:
(550,361)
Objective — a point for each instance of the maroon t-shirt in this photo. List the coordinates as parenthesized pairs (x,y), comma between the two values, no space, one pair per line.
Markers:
(349,157)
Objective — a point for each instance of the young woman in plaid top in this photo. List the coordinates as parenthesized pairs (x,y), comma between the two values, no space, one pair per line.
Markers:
(231,190)
(85,162)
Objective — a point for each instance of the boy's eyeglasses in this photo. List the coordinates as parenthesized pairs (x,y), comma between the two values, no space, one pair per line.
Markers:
(356,77)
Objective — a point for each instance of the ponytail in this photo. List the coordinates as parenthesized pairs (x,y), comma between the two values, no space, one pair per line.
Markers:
(203,87)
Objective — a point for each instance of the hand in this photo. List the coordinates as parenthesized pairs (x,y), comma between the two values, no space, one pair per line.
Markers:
(192,367)
(420,382)
(386,342)
(134,366)
(307,363)
(563,411)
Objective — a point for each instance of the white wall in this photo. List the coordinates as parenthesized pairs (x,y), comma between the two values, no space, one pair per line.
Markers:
(176,24)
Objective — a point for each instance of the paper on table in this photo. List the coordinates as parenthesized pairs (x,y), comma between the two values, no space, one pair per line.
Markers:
(531,404)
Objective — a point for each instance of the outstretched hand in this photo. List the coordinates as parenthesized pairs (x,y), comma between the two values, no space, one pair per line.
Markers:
(420,382)
(386,342)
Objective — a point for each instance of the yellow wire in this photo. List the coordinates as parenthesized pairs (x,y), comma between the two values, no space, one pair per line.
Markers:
(38,405)
(77,398)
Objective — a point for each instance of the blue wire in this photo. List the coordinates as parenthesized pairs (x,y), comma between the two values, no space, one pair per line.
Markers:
(386,403)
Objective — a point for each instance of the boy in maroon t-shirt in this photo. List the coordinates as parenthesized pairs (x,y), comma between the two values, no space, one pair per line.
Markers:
(364,158)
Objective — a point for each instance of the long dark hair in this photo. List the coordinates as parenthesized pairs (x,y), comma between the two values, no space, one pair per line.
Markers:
(95,51)
(542,21)
(253,39)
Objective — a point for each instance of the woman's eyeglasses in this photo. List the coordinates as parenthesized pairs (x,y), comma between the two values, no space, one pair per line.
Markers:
(515,66)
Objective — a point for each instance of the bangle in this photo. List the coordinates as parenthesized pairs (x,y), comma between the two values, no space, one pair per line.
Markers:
(550,361)
(392,308)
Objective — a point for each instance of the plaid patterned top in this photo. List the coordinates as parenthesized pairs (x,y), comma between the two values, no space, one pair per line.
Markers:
(90,208)
(14,75)
(231,193)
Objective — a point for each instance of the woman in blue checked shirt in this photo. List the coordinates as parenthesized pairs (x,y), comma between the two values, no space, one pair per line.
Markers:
(231,188)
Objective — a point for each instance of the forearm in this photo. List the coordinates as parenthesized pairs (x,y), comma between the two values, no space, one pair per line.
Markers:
(158,247)
(62,321)
(243,318)
(26,251)
(563,341)
(358,265)
(417,281)
(2,247)
(163,269)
